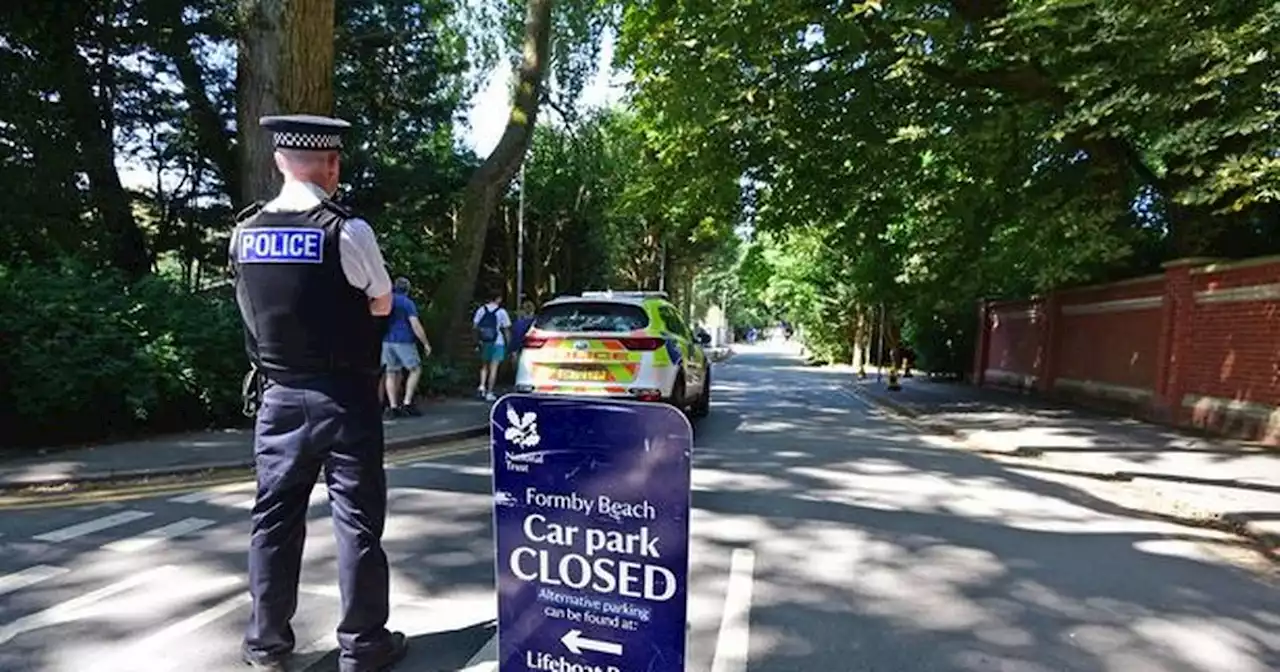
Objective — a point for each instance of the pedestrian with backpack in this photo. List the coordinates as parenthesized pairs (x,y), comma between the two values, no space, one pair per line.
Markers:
(493,331)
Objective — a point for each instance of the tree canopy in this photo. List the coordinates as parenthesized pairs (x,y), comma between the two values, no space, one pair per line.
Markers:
(128,140)
(823,163)
(924,155)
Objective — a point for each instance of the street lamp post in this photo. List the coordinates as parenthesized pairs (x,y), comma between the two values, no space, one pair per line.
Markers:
(662,269)
(724,317)
(880,348)
(520,244)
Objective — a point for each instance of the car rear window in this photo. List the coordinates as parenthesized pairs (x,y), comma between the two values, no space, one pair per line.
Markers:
(586,317)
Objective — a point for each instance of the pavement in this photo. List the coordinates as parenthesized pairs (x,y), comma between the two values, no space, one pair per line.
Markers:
(1234,483)
(824,536)
(219,450)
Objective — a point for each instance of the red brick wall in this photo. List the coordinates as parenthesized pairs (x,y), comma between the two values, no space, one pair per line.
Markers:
(1013,345)
(1236,343)
(1198,345)
(1091,317)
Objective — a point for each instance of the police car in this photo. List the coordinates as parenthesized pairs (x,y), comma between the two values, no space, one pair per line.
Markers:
(632,345)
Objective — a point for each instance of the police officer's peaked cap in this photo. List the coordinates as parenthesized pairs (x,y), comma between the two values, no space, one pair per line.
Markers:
(305,131)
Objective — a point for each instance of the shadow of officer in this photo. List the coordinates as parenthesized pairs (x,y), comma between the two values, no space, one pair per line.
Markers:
(311,284)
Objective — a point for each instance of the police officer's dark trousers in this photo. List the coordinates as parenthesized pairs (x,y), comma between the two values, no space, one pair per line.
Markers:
(304,426)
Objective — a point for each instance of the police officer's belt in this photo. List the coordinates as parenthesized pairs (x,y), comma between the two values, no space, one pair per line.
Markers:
(256,380)
(251,391)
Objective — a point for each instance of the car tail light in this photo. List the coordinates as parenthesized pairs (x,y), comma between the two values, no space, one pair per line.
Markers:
(533,342)
(642,343)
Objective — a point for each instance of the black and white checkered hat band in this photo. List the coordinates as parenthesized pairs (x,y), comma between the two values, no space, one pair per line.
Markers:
(286,140)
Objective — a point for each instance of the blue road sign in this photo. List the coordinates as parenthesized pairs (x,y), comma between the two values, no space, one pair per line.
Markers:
(591,519)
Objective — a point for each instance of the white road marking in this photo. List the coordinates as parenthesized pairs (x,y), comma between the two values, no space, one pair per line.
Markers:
(67,611)
(311,654)
(92,526)
(246,504)
(453,468)
(234,501)
(733,642)
(170,637)
(452,609)
(414,616)
(29,577)
(152,537)
(209,493)
(486,659)
(238,496)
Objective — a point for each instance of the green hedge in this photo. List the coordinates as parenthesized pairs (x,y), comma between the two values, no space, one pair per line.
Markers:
(89,356)
(943,342)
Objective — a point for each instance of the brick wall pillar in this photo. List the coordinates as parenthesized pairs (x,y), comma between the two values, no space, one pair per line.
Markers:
(1047,367)
(1174,349)
(982,341)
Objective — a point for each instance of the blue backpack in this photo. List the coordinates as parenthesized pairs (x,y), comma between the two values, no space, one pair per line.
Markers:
(487,327)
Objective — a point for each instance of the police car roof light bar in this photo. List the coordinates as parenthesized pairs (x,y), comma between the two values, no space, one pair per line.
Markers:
(635,294)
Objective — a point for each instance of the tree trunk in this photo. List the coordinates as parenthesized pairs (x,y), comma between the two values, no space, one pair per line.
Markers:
(212,136)
(855,337)
(485,187)
(285,66)
(127,245)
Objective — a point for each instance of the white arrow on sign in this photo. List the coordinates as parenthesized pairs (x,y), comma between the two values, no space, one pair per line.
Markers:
(576,643)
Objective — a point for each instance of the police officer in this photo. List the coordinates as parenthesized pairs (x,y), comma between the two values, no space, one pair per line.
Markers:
(312,284)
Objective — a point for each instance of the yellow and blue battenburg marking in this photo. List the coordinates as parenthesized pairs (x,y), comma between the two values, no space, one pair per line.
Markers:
(281,245)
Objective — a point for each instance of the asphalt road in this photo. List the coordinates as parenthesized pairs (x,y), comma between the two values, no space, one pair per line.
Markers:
(825,539)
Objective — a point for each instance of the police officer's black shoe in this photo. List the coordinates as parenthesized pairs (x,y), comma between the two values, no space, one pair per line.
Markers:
(260,662)
(399,648)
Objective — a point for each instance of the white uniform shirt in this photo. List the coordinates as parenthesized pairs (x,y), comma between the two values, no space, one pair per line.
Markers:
(362,260)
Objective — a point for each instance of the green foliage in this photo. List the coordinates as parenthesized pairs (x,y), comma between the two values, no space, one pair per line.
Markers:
(443,378)
(593,215)
(93,356)
(944,342)
(926,155)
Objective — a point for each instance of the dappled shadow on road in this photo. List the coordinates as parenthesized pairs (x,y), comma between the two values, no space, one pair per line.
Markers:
(439,544)
(432,651)
(876,551)
(880,551)
(1053,427)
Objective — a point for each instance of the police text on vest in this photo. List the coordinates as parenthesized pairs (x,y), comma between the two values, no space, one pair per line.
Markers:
(281,245)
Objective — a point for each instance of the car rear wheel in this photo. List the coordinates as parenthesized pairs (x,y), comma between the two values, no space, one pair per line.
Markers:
(679,393)
(702,407)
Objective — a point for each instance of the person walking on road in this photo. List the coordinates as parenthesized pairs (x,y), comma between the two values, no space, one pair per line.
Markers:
(493,330)
(311,283)
(400,351)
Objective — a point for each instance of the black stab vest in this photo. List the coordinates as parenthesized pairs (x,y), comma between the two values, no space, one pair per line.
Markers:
(301,316)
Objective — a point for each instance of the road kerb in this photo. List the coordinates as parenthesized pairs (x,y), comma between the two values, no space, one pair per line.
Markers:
(126,493)
(1266,541)
(92,487)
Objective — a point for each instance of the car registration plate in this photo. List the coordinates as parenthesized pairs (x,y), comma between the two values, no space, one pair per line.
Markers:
(582,375)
